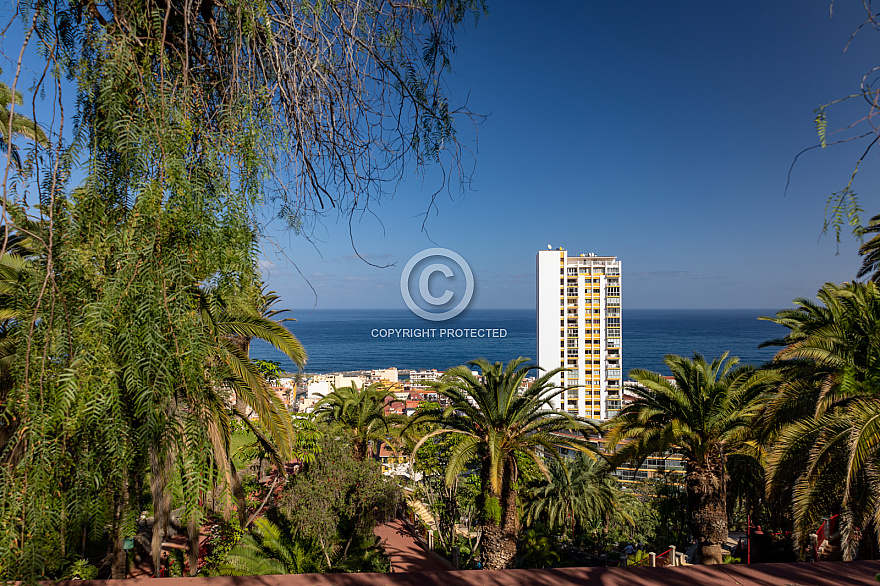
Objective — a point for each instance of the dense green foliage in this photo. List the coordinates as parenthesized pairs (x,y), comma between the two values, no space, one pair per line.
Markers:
(125,325)
(821,424)
(705,413)
(497,420)
(360,415)
(271,548)
(870,250)
(579,496)
(14,124)
(338,500)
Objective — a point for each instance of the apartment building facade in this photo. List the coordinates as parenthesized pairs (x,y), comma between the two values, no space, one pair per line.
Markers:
(579,328)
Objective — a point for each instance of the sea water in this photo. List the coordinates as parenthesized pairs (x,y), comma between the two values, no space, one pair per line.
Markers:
(344,340)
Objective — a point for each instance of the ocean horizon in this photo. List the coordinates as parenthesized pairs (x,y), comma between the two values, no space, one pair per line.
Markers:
(363,339)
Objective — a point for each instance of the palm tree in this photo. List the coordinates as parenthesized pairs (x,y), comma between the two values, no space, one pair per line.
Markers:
(17,258)
(360,414)
(704,414)
(231,324)
(579,494)
(16,124)
(274,432)
(258,306)
(871,251)
(271,549)
(821,425)
(498,421)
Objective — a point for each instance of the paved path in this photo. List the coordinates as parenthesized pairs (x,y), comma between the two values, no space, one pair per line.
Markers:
(405,553)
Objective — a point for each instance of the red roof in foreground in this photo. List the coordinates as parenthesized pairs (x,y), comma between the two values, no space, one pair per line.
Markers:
(860,573)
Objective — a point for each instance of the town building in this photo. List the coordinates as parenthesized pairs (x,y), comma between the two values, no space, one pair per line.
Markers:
(383,375)
(421,379)
(579,329)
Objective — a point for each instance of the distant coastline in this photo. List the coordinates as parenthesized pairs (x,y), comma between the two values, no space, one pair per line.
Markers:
(341,340)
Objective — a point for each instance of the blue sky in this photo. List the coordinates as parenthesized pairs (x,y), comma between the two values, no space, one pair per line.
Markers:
(659,132)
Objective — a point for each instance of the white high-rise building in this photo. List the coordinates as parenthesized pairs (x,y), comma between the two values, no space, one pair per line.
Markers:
(579,328)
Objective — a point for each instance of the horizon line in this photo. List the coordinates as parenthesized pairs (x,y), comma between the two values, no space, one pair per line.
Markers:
(404,309)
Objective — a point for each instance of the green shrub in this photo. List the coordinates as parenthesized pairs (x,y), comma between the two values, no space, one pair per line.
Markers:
(81,570)
(638,559)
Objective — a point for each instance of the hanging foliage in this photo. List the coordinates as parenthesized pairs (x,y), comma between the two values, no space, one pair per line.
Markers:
(128,255)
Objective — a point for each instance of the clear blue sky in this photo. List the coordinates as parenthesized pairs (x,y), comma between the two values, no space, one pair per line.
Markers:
(659,132)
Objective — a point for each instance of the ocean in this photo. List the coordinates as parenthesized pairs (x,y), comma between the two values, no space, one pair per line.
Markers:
(345,340)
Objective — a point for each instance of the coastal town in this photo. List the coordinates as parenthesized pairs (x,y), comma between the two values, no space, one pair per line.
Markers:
(330,293)
(410,388)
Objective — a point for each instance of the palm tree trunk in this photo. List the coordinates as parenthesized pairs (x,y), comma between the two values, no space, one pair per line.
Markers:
(707,508)
(238,494)
(159,473)
(498,542)
(193,529)
(244,344)
(118,569)
(360,450)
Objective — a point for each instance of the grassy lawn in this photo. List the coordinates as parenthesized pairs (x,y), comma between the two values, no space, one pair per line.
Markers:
(239,439)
